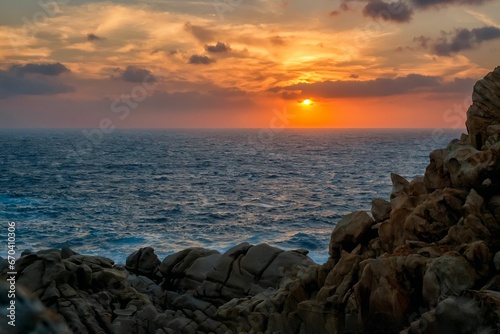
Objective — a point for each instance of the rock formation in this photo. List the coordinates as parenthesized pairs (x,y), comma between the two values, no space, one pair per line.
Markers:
(425,261)
(483,118)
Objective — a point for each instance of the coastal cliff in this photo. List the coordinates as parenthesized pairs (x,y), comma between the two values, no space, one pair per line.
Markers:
(426,260)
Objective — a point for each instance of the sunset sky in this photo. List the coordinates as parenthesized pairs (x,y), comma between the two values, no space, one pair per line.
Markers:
(243,63)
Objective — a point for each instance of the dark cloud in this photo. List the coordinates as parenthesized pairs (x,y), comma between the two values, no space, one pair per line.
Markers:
(228,92)
(200,60)
(93,37)
(12,84)
(52,69)
(398,11)
(354,76)
(401,10)
(456,86)
(463,39)
(200,33)
(135,74)
(423,41)
(291,95)
(218,48)
(401,49)
(342,8)
(438,3)
(412,83)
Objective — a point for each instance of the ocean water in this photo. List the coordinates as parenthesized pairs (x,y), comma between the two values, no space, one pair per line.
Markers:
(111,194)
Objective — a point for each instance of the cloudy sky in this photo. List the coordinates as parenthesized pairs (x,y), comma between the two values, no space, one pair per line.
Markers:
(243,63)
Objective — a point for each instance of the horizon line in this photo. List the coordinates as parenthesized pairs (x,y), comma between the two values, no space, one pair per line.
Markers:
(234,128)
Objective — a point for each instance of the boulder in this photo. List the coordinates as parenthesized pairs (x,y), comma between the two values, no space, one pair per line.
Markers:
(381,209)
(354,228)
(143,262)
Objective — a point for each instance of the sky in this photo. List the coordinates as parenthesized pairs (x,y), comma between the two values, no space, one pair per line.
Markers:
(243,63)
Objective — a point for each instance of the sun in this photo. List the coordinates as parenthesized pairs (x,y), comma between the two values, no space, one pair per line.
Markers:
(306,102)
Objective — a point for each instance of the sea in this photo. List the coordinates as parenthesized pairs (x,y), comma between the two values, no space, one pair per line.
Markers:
(110,194)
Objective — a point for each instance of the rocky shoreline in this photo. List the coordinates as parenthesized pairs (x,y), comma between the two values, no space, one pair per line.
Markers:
(426,261)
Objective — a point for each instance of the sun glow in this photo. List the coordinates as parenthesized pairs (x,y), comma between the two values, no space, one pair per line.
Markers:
(306,102)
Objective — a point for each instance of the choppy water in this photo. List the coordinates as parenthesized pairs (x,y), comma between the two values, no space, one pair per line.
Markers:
(209,188)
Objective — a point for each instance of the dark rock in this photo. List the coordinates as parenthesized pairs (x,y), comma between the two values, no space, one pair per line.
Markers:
(30,315)
(143,262)
(354,228)
(483,112)
(381,209)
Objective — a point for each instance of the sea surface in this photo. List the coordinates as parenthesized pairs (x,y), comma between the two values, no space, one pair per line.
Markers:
(110,194)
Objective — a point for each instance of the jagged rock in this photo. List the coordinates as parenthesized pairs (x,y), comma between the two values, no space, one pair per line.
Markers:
(436,176)
(354,228)
(143,262)
(381,209)
(108,278)
(188,268)
(476,312)
(236,274)
(483,112)
(446,276)
(146,286)
(431,220)
(383,299)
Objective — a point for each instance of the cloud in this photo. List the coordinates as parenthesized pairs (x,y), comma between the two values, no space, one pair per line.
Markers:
(277,40)
(412,83)
(398,11)
(52,69)
(180,102)
(200,60)
(92,37)
(218,48)
(463,39)
(135,74)
(342,8)
(228,92)
(437,3)
(422,40)
(200,33)
(12,84)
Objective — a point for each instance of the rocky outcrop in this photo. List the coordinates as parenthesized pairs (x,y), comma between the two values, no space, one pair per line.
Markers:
(426,261)
(182,294)
(483,118)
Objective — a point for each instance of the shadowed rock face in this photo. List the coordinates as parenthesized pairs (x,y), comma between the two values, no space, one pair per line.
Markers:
(483,118)
(428,262)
